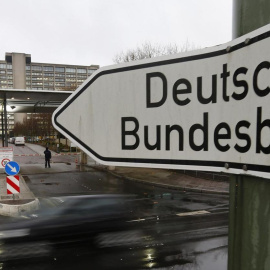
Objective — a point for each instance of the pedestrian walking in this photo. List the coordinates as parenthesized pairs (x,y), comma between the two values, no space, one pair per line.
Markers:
(48,156)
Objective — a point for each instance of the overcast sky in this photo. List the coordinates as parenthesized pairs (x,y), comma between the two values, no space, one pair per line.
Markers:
(86,32)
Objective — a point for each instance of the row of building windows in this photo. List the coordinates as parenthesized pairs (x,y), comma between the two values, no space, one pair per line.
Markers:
(36,75)
(5,82)
(5,66)
(46,88)
(51,79)
(4,72)
(5,86)
(63,84)
(4,77)
(59,69)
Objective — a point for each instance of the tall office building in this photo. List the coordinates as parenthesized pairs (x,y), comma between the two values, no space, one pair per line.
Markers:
(17,71)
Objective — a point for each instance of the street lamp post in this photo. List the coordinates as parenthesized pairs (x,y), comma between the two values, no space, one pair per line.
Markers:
(5,118)
(2,124)
(8,130)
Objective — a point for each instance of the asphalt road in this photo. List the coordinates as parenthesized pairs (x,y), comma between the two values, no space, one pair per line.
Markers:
(184,230)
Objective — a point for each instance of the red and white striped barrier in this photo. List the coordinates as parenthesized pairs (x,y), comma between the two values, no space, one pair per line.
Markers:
(13,184)
(54,155)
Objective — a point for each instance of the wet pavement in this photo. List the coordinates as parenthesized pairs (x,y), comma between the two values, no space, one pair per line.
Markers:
(181,242)
(170,179)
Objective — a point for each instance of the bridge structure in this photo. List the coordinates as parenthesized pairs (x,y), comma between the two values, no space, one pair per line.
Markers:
(28,101)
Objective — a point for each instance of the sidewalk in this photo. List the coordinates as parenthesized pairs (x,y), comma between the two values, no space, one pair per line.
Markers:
(16,204)
(38,149)
(25,201)
(170,179)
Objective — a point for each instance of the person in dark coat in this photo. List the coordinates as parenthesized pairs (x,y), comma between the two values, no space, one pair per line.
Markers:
(48,156)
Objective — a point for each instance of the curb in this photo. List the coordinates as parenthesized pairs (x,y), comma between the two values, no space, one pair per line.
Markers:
(19,209)
(16,210)
(197,190)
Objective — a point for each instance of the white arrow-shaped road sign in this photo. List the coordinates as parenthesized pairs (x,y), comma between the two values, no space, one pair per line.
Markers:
(204,110)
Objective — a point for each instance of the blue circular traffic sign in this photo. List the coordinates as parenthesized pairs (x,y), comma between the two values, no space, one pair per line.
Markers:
(12,168)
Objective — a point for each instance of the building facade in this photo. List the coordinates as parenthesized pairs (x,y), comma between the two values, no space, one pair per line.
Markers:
(17,71)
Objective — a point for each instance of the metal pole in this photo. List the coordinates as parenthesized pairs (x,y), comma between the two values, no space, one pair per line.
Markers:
(249,15)
(249,216)
(5,115)
(2,122)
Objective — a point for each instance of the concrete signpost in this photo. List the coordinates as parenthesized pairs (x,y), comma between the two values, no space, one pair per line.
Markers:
(202,110)
(13,184)
(12,168)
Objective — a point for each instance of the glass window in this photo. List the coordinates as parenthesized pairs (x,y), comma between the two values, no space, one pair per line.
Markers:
(48,74)
(27,67)
(48,68)
(3,66)
(71,75)
(9,66)
(71,70)
(60,69)
(81,70)
(90,71)
(2,71)
(37,68)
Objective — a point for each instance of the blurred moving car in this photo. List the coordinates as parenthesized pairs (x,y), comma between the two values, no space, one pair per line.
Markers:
(98,220)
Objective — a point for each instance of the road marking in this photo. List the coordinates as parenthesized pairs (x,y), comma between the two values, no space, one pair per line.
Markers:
(201,212)
(137,220)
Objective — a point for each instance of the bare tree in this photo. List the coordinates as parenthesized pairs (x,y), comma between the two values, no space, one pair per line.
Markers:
(39,124)
(148,50)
